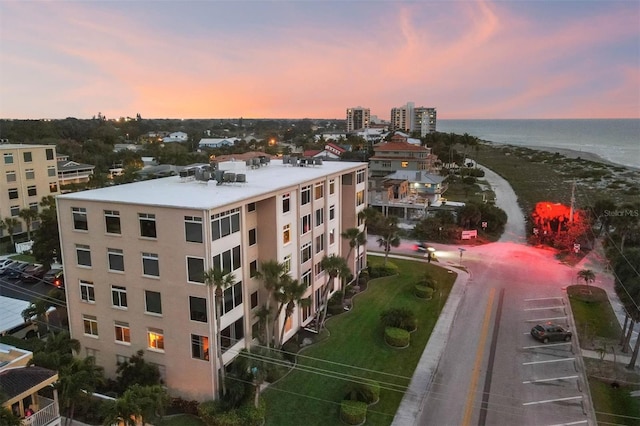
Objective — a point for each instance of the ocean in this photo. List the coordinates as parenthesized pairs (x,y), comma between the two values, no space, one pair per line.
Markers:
(615,140)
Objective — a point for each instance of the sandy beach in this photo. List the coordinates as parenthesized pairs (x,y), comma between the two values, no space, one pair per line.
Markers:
(571,153)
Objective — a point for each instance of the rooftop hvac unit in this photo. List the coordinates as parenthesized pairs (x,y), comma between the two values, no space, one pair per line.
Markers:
(241,178)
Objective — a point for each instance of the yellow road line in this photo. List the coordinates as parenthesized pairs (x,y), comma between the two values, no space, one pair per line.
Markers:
(479,356)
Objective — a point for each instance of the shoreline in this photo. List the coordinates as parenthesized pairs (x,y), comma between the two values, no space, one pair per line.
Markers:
(569,153)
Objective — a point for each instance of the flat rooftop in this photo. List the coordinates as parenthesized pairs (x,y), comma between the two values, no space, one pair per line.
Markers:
(180,192)
(23,146)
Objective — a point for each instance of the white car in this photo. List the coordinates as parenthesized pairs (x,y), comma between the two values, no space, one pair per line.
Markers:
(4,263)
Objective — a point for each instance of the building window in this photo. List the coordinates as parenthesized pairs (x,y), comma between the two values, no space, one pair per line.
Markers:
(253,269)
(32,191)
(118,297)
(28,158)
(13,193)
(360,176)
(319,191)
(252,237)
(254,300)
(319,217)
(232,297)
(287,263)
(155,339)
(404,164)
(305,224)
(195,270)
(8,158)
(332,212)
(193,229)
(112,222)
(305,252)
(14,211)
(83,255)
(53,187)
(360,198)
(200,347)
(332,186)
(87,291)
(116,259)
(305,195)
(232,334)
(150,265)
(229,260)
(153,302)
(251,207)
(147,225)
(332,237)
(33,206)
(91,352)
(29,174)
(317,269)
(306,278)
(198,309)
(51,171)
(49,153)
(225,223)
(319,243)
(286,234)
(123,332)
(11,176)
(90,325)
(80,222)
(286,203)
(386,164)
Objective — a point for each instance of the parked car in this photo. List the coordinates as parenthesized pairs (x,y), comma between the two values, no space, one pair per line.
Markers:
(55,277)
(6,262)
(26,330)
(550,332)
(34,273)
(15,271)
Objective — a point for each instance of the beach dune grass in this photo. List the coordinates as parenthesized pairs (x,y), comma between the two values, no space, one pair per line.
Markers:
(355,350)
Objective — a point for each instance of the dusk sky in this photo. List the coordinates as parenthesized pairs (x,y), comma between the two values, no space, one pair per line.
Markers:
(313,59)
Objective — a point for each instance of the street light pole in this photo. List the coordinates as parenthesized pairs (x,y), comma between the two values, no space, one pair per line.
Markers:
(461,251)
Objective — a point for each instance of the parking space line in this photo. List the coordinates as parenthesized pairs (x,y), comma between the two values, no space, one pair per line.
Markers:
(546,346)
(579,422)
(546,401)
(549,380)
(548,361)
(542,298)
(546,319)
(546,307)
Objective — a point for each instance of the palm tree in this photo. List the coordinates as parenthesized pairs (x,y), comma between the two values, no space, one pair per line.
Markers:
(292,293)
(389,236)
(76,379)
(28,215)
(219,280)
(370,216)
(271,273)
(587,275)
(334,266)
(10,224)
(137,406)
(263,314)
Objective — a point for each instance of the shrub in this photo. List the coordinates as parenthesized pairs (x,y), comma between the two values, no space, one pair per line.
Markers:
(399,318)
(423,292)
(397,337)
(353,412)
(378,271)
(469,180)
(252,416)
(428,281)
(180,405)
(208,411)
(367,392)
(364,277)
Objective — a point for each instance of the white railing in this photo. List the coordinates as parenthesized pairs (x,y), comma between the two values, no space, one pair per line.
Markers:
(46,415)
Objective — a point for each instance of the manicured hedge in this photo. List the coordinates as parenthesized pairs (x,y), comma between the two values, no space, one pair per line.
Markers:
(423,292)
(368,392)
(396,337)
(353,412)
(400,318)
(378,271)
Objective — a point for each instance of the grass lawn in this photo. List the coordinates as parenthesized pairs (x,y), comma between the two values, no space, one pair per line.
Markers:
(596,322)
(356,348)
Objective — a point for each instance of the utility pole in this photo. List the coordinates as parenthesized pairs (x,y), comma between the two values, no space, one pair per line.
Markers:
(573,201)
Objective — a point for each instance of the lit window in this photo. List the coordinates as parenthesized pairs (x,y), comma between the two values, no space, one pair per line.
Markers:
(123,332)
(90,325)
(319,191)
(286,234)
(53,187)
(360,198)
(200,347)
(155,339)
(404,164)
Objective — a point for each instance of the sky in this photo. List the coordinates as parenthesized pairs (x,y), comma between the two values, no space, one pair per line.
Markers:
(314,59)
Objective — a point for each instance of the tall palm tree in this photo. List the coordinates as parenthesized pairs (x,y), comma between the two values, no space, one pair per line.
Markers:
(219,280)
(10,224)
(271,273)
(334,266)
(370,216)
(76,379)
(28,215)
(292,293)
(587,275)
(389,236)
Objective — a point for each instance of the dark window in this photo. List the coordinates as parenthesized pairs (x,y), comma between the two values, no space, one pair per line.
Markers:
(112,221)
(150,264)
(83,254)
(195,269)
(254,299)
(232,334)
(286,203)
(27,157)
(232,297)
(31,191)
(193,229)
(252,236)
(13,193)
(80,218)
(116,259)
(251,207)
(198,308)
(119,296)
(253,269)
(49,153)
(147,225)
(153,302)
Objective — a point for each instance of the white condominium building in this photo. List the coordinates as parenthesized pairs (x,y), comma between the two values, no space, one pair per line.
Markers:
(410,118)
(358,118)
(134,257)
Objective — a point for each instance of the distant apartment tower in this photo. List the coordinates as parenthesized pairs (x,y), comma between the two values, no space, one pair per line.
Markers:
(27,173)
(409,118)
(134,257)
(358,118)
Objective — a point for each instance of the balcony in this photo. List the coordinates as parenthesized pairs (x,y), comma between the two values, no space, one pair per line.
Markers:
(47,415)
